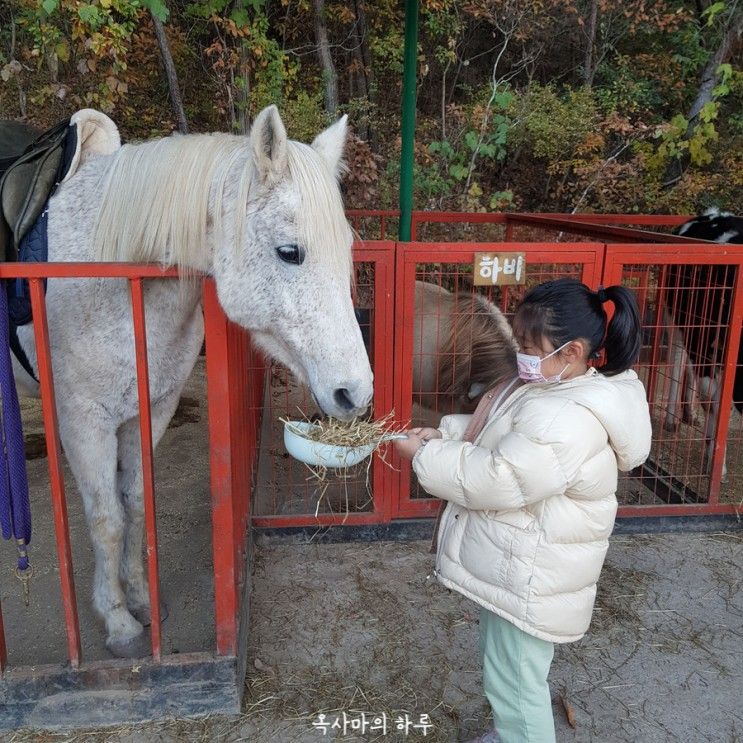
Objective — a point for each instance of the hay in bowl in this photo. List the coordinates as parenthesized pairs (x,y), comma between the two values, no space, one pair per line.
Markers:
(331,444)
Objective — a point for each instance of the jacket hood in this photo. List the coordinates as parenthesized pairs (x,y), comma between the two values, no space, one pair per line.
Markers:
(620,404)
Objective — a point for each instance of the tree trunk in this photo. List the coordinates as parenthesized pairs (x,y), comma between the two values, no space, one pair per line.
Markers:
(171,75)
(709,75)
(707,82)
(364,49)
(52,65)
(329,74)
(21,91)
(361,66)
(589,68)
(242,94)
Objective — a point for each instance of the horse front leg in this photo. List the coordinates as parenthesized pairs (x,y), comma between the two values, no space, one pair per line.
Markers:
(131,491)
(91,447)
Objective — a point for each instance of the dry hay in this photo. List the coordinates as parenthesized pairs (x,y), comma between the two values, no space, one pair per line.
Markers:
(357,433)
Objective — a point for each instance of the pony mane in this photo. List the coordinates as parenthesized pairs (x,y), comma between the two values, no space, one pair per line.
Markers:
(156,202)
(480,348)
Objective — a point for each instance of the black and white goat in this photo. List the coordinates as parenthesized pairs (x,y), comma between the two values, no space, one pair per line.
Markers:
(701,314)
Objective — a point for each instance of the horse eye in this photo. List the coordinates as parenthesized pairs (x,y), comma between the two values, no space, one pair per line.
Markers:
(291,254)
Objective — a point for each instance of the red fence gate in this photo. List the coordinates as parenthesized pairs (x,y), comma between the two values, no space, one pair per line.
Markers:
(679,478)
(676,480)
(449,266)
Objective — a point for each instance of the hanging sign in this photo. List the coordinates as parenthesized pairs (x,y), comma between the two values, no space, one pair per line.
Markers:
(499,269)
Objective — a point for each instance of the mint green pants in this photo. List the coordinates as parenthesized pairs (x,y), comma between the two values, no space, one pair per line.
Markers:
(515,668)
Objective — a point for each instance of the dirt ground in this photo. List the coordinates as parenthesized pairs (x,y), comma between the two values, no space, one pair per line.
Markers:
(360,627)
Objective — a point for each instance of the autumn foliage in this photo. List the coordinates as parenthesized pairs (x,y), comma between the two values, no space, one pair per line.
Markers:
(550,105)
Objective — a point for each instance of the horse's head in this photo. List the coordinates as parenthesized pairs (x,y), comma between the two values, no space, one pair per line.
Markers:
(287,275)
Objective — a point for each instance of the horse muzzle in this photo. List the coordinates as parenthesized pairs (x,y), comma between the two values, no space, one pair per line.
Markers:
(345,401)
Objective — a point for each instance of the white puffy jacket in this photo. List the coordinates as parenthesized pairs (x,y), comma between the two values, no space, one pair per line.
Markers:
(532,501)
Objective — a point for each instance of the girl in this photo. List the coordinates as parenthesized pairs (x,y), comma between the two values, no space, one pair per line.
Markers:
(532,498)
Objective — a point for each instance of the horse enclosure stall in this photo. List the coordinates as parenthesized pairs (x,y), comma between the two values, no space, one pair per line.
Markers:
(696,467)
(418,308)
(54,668)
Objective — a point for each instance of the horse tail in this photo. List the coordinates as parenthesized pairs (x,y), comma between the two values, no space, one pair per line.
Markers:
(480,349)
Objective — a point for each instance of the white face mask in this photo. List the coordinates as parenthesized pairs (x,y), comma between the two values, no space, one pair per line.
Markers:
(530,366)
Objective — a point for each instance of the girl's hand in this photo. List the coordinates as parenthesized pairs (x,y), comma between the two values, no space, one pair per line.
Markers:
(408,447)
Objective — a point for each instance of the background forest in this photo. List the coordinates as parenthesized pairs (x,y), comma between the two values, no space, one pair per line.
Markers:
(546,105)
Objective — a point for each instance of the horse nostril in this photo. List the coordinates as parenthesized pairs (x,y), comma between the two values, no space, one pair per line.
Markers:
(343,399)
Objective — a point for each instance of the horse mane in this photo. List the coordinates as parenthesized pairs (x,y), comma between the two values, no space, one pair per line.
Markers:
(480,348)
(156,202)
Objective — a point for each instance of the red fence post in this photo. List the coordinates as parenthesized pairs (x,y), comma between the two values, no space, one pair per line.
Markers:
(59,504)
(221,423)
(735,328)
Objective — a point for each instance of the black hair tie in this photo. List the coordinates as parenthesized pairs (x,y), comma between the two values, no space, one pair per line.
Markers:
(602,296)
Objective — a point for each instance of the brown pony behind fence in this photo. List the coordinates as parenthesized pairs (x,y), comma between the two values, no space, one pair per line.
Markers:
(463,346)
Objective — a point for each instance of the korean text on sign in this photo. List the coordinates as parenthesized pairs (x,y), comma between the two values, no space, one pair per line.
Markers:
(500,268)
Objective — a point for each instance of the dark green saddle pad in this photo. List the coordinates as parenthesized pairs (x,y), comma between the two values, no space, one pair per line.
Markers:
(31,167)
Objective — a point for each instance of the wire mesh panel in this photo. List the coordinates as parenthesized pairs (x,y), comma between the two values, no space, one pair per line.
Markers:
(287,492)
(692,308)
(441,315)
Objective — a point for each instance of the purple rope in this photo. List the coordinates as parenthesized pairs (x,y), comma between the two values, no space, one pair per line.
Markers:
(15,508)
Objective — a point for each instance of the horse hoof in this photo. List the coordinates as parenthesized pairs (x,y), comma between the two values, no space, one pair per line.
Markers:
(134,647)
(143,616)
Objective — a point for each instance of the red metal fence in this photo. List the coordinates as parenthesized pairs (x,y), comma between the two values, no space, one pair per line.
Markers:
(234,388)
(247,398)
(449,265)
(677,479)
(683,320)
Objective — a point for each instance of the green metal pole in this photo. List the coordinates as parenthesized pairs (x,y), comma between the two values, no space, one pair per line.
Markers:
(408,118)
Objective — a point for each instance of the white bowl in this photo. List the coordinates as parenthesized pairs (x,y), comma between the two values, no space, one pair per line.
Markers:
(321,455)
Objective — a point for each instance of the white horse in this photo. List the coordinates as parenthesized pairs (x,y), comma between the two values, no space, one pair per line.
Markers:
(264,216)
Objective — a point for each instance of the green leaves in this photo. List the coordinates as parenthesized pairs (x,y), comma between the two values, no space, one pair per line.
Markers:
(725,73)
(157,8)
(500,200)
(91,15)
(50,6)
(240,17)
(713,11)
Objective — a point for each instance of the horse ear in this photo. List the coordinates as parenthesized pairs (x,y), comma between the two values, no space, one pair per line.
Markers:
(268,142)
(330,144)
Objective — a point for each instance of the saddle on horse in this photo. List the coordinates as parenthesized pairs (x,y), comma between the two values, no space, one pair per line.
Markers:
(30,172)
(32,166)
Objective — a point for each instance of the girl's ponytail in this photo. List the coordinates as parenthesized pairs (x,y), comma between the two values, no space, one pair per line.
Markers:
(624,334)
